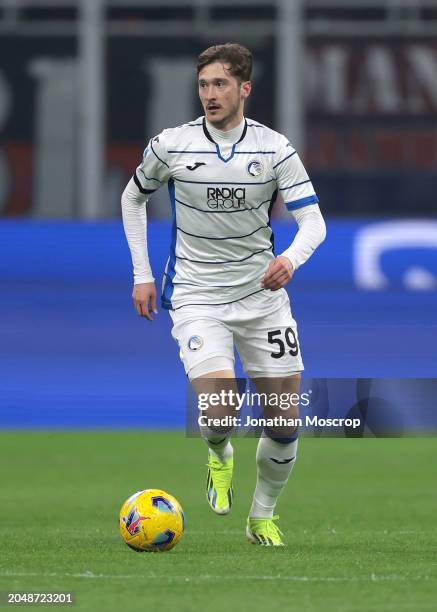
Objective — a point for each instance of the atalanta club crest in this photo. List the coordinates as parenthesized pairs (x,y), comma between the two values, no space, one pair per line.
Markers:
(195,343)
(133,521)
(255,168)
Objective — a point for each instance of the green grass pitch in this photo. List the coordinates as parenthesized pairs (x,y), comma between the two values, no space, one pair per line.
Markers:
(359,518)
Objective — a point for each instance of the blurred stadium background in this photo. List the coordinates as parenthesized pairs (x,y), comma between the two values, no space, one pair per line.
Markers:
(84,84)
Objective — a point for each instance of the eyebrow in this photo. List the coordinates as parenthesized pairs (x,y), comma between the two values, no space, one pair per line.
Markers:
(223,79)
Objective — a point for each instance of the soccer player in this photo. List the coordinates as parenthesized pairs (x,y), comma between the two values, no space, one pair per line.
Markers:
(223,284)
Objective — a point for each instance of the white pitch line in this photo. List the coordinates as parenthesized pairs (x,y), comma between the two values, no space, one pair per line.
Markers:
(220,532)
(327,530)
(206,577)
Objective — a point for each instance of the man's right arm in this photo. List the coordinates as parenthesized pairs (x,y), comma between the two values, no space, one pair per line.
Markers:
(133,207)
(153,171)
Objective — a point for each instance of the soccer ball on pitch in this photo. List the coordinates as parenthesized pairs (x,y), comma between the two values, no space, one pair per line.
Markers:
(151,521)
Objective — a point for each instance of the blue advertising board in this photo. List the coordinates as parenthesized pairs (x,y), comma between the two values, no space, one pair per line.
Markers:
(73,353)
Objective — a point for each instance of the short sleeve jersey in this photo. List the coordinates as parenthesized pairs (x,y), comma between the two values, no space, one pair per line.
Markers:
(221,241)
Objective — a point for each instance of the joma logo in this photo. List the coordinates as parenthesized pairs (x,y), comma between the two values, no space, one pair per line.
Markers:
(226,197)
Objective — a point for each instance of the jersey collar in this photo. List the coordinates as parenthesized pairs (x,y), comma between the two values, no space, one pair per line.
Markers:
(211,139)
(217,146)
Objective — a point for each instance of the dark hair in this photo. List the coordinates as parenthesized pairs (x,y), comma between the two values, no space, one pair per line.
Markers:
(238,57)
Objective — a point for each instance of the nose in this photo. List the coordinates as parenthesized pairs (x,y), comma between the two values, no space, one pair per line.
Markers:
(210,93)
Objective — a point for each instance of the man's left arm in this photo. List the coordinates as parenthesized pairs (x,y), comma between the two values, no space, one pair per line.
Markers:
(311,233)
(301,200)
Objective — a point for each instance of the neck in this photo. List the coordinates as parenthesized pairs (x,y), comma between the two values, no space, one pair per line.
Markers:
(230,134)
(229,123)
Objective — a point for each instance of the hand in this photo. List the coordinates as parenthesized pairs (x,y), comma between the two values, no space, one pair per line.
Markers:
(144,297)
(278,274)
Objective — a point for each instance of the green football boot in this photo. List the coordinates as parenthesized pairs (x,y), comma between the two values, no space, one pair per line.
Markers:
(219,492)
(264,531)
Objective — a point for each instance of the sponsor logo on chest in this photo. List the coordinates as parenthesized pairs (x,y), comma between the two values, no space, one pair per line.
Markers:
(225,198)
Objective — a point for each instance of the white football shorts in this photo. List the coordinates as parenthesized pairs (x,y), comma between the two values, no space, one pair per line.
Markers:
(260,326)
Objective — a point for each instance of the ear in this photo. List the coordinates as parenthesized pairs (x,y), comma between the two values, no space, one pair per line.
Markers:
(246,88)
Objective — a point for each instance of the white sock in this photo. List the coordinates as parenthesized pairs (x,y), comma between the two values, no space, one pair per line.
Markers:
(274,468)
(219,444)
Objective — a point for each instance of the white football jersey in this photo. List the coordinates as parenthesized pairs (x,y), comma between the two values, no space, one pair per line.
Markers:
(221,199)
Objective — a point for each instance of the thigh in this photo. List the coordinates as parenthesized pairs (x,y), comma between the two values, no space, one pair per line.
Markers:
(203,339)
(266,337)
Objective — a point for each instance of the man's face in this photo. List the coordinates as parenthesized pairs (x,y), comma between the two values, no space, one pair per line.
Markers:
(222,95)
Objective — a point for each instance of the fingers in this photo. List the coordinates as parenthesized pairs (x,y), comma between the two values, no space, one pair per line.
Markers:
(142,308)
(144,298)
(137,306)
(276,281)
(145,310)
(269,272)
(277,275)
